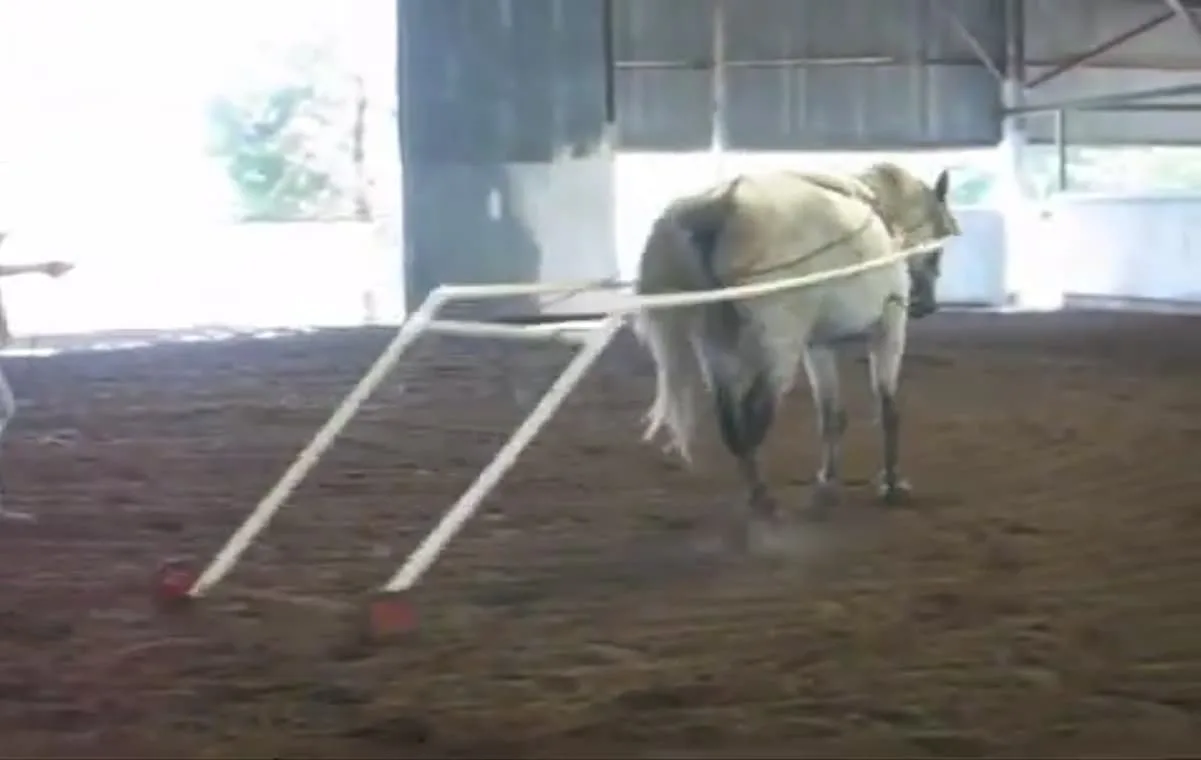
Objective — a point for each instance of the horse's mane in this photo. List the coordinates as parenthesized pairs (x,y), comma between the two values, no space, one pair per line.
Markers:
(898,192)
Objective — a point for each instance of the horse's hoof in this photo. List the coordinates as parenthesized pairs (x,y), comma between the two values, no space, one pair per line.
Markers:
(896,493)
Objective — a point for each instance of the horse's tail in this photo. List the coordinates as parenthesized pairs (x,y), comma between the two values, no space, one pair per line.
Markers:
(693,347)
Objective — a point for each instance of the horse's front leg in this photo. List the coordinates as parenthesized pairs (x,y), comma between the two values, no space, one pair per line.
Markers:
(885,352)
(821,365)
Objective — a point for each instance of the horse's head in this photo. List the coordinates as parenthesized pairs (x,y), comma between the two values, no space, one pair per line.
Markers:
(924,269)
(916,213)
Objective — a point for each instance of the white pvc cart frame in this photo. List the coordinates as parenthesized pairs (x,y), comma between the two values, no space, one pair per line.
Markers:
(593,336)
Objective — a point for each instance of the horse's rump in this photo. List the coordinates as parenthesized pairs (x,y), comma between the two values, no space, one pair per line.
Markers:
(794,224)
(754,229)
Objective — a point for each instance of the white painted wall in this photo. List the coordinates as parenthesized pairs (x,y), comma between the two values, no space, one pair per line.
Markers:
(974,265)
(1146,247)
(569,208)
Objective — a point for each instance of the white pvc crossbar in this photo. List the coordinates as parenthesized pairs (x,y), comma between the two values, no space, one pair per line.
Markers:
(571,332)
(594,336)
(462,510)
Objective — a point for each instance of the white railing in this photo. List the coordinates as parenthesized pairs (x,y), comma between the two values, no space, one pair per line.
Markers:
(593,336)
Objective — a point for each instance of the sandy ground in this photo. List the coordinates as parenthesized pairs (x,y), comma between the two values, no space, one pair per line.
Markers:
(1042,596)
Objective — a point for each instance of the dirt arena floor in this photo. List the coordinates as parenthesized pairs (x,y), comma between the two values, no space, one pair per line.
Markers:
(1040,597)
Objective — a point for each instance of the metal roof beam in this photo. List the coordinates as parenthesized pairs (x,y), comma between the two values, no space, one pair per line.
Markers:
(1080,59)
(1095,102)
(1184,14)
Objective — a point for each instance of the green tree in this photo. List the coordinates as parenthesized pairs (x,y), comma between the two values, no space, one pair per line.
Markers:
(971,184)
(290,140)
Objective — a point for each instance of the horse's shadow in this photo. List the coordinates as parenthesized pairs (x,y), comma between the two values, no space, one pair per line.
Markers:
(694,557)
(658,562)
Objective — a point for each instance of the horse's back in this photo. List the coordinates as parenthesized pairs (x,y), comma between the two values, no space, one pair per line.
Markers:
(786,224)
(792,225)
(789,224)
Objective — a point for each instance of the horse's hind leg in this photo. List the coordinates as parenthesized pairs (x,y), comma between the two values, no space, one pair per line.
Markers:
(821,365)
(744,417)
(885,352)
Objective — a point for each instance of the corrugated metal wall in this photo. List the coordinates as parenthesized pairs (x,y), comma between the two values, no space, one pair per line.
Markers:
(514,81)
(1124,248)
(664,75)
(798,74)
(807,74)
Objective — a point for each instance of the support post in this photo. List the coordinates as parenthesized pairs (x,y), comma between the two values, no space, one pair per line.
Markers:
(1061,152)
(717,146)
(1013,201)
(1013,95)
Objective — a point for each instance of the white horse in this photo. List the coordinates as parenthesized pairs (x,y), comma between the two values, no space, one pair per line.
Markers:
(744,354)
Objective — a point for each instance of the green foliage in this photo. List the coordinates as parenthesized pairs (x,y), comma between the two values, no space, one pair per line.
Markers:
(1117,170)
(970,185)
(285,140)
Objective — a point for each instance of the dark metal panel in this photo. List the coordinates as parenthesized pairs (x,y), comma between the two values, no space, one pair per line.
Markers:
(665,31)
(962,106)
(861,107)
(786,56)
(783,29)
(664,81)
(664,109)
(580,76)
(834,60)
(507,164)
(909,31)
(513,81)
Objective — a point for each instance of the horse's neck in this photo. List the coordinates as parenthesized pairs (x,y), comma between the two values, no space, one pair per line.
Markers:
(893,188)
(856,187)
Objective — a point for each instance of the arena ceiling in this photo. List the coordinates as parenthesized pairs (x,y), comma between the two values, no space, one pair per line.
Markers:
(857,74)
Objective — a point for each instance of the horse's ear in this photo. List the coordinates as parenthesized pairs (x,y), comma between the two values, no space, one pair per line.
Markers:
(942,185)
